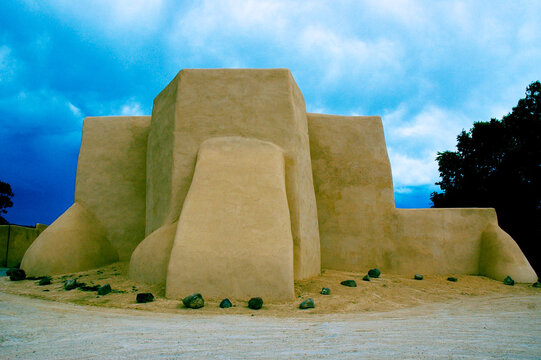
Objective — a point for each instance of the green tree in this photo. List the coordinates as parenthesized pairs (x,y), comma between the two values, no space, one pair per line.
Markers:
(5,200)
(498,164)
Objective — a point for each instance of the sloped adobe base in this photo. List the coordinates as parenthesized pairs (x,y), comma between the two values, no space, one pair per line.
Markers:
(74,242)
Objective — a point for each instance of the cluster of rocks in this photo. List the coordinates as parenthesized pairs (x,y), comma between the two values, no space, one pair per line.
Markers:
(509,281)
(102,290)
(19,274)
(372,273)
(196,301)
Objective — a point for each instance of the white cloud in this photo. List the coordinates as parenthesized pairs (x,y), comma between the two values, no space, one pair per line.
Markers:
(132,108)
(108,17)
(412,171)
(38,108)
(210,20)
(74,110)
(407,12)
(413,144)
(432,127)
(340,56)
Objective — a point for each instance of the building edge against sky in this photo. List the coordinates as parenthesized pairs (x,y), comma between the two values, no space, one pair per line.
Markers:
(139,178)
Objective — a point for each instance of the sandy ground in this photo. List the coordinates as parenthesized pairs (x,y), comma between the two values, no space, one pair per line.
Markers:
(389,292)
(506,327)
(391,317)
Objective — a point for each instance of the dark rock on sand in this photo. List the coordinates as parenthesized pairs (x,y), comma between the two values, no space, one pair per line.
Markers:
(142,298)
(349,283)
(307,304)
(70,284)
(225,304)
(255,303)
(17,275)
(194,301)
(46,280)
(104,290)
(509,281)
(325,291)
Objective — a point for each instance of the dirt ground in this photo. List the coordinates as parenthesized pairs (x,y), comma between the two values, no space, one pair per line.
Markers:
(390,317)
(486,327)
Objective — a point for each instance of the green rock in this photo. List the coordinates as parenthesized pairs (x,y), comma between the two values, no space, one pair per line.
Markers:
(453,279)
(70,284)
(366,278)
(46,280)
(307,304)
(194,301)
(17,275)
(418,277)
(509,281)
(226,303)
(255,303)
(325,291)
(142,298)
(349,283)
(104,290)
(374,273)
(89,287)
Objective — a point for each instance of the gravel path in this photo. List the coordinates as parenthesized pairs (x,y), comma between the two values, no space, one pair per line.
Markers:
(481,328)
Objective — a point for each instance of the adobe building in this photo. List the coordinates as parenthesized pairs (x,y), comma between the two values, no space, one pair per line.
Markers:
(15,240)
(231,189)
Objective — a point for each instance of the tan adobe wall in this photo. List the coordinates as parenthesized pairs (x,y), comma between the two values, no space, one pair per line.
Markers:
(259,103)
(440,241)
(76,241)
(354,191)
(360,227)
(4,241)
(110,195)
(15,240)
(111,177)
(234,232)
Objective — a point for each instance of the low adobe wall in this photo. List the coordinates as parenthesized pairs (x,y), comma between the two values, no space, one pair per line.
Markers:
(360,228)
(15,240)
(440,241)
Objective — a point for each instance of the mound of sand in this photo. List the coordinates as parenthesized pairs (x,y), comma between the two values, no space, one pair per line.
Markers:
(387,293)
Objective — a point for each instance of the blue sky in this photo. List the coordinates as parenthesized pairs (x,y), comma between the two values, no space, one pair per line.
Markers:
(429,68)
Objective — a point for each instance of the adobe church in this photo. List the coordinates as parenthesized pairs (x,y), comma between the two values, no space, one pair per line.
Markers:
(231,189)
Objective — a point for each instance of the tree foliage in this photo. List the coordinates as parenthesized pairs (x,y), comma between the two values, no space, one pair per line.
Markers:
(5,200)
(498,164)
